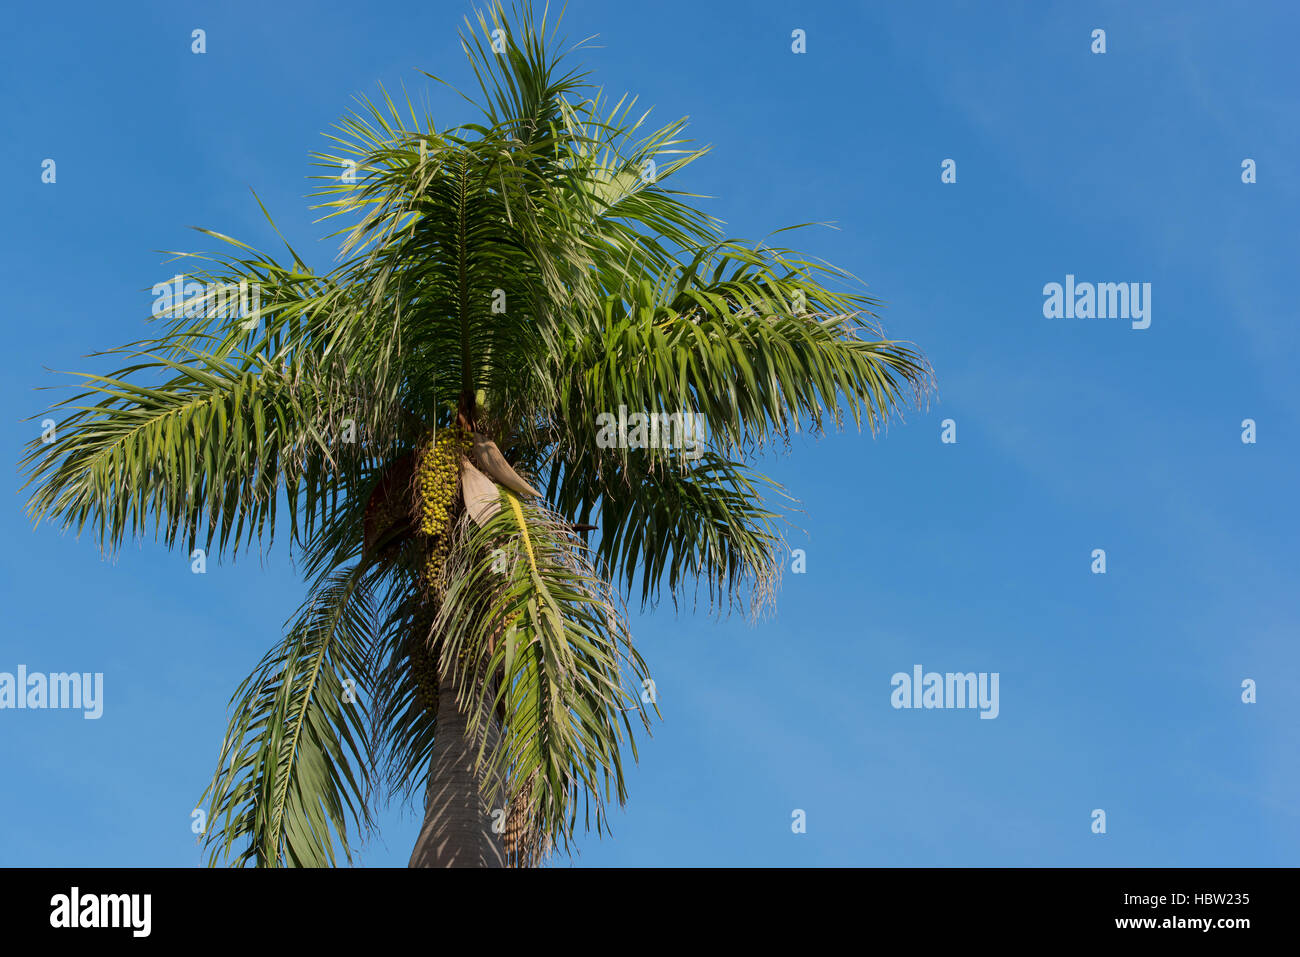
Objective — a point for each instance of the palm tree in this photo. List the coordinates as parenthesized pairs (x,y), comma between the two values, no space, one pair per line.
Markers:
(501,287)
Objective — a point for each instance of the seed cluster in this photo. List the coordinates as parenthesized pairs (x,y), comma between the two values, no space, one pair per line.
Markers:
(423,667)
(437,476)
(436,486)
(388,512)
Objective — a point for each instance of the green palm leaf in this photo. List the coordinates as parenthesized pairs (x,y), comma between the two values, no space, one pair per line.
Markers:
(293,776)
(542,657)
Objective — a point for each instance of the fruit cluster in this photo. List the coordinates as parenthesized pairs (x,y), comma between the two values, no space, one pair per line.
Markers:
(423,668)
(437,474)
(387,514)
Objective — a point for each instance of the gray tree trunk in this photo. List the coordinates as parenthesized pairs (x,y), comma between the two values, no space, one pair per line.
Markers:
(457,829)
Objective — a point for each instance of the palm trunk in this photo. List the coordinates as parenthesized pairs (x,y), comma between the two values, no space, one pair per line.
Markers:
(457,829)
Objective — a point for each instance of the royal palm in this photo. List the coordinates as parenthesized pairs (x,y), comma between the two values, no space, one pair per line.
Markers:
(421,422)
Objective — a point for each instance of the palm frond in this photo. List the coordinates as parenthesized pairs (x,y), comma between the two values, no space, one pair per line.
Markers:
(541,655)
(681,521)
(201,455)
(293,775)
(761,349)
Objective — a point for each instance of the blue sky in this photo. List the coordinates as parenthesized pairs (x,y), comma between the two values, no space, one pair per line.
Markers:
(1119,691)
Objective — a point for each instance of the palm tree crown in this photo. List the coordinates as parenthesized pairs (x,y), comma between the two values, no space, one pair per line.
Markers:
(426,413)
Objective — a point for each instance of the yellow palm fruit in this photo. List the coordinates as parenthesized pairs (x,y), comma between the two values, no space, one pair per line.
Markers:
(437,491)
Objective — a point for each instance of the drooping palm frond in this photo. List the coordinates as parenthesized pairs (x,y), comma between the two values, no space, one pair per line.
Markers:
(215,419)
(750,346)
(761,349)
(406,704)
(202,455)
(526,609)
(293,777)
(679,518)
